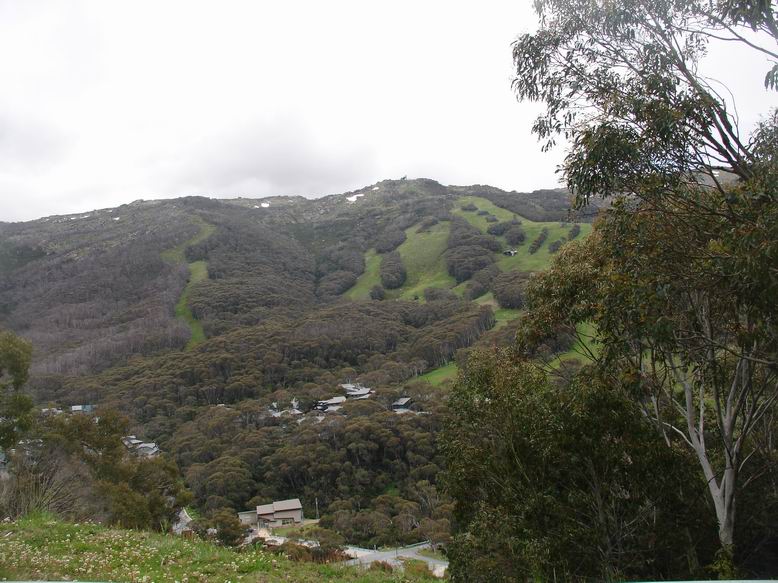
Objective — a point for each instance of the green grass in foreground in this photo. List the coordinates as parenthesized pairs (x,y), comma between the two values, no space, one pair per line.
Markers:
(43,548)
(198,271)
(433,554)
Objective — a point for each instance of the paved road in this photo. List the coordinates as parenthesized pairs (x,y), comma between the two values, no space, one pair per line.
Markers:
(394,556)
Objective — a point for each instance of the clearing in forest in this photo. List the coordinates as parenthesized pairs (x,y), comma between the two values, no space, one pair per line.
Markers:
(198,271)
(422,255)
(523,260)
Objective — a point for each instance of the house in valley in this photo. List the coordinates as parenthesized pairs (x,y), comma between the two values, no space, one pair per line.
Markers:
(356,392)
(401,405)
(360,393)
(149,449)
(51,411)
(82,408)
(139,447)
(275,514)
(332,404)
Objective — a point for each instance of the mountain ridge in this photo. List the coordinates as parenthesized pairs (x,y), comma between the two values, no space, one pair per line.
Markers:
(218,328)
(71,271)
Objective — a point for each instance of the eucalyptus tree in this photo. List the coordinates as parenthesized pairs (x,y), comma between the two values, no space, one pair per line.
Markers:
(15,407)
(564,483)
(621,81)
(680,276)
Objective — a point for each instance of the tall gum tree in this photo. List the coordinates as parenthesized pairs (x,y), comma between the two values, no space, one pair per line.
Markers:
(15,407)
(681,275)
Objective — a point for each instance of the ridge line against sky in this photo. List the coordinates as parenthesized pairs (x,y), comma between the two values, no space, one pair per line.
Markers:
(106,102)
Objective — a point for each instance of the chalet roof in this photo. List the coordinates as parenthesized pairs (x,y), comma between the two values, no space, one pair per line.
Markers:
(333,401)
(280,506)
(402,402)
(360,392)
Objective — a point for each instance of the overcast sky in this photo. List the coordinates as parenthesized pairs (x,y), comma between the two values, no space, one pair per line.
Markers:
(103,102)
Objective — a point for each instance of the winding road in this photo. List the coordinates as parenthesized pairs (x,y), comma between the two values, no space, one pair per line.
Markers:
(394,557)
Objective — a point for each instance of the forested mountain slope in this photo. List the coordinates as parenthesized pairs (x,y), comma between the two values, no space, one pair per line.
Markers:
(92,289)
(217,325)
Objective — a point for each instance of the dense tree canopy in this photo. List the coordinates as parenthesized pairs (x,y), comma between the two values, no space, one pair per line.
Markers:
(564,482)
(677,278)
(392,270)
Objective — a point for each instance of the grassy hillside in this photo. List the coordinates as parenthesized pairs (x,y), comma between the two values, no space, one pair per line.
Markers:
(441,374)
(523,260)
(370,278)
(501,315)
(422,255)
(46,549)
(424,262)
(198,271)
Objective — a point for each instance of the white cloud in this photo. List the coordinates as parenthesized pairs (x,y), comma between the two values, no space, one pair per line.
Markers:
(105,102)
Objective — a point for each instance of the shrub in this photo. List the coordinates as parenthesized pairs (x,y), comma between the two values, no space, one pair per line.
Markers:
(501,228)
(482,213)
(469,207)
(229,530)
(463,262)
(390,240)
(498,229)
(554,247)
(392,270)
(463,233)
(575,230)
(417,569)
(382,566)
(336,283)
(340,258)
(538,242)
(377,293)
(482,280)
(426,224)
(515,235)
(474,290)
(432,294)
(491,219)
(509,288)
